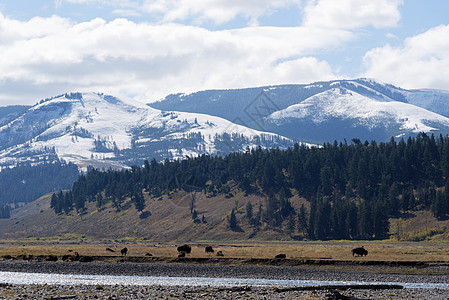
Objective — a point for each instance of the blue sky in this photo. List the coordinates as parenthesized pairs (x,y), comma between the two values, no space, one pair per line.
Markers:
(146,49)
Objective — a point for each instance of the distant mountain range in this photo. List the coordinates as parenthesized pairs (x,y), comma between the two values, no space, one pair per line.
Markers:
(324,111)
(106,132)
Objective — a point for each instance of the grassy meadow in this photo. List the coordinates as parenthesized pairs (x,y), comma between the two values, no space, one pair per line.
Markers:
(329,250)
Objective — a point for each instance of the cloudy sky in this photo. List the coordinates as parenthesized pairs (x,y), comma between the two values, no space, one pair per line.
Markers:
(146,49)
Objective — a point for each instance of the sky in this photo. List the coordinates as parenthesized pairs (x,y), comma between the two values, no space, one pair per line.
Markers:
(147,49)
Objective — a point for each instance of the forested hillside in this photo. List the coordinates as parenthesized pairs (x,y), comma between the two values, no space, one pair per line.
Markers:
(25,183)
(5,212)
(351,189)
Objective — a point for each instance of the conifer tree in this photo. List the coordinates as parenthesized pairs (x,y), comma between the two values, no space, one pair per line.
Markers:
(232,221)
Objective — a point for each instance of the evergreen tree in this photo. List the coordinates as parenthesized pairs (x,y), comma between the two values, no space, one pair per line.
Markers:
(380,220)
(393,202)
(258,219)
(291,223)
(249,211)
(438,205)
(302,220)
(139,201)
(322,220)
(55,203)
(233,221)
(99,200)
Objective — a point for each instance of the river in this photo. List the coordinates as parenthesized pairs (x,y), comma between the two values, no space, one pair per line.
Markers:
(81,279)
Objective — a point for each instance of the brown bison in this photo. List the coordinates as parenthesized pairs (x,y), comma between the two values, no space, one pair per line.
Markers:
(70,257)
(219,253)
(76,257)
(209,249)
(281,256)
(51,258)
(66,257)
(185,248)
(124,251)
(86,259)
(360,251)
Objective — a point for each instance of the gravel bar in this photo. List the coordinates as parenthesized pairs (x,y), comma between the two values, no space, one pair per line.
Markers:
(16,291)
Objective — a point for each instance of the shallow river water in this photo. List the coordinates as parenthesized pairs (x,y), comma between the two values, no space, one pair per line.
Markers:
(71,279)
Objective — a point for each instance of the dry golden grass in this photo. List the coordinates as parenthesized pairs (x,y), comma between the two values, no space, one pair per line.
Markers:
(331,250)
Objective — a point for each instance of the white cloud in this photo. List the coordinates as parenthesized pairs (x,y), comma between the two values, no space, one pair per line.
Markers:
(215,11)
(100,2)
(422,61)
(36,27)
(352,14)
(305,69)
(148,61)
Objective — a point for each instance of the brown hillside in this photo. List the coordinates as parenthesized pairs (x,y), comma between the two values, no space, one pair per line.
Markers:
(168,218)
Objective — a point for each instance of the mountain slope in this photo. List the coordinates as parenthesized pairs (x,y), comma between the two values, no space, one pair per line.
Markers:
(433,100)
(104,131)
(256,107)
(9,113)
(340,113)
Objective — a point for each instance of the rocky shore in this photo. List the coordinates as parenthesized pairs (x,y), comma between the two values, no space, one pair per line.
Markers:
(178,292)
(306,272)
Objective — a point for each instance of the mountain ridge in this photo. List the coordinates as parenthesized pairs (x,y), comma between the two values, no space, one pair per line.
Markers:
(103,131)
(94,129)
(247,109)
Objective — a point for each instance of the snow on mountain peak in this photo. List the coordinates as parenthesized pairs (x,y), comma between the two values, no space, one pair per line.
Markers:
(91,128)
(345,104)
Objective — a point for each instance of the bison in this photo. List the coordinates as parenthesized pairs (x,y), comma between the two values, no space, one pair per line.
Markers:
(86,259)
(219,253)
(209,249)
(281,256)
(76,257)
(69,257)
(25,257)
(66,257)
(124,251)
(185,248)
(360,251)
(51,258)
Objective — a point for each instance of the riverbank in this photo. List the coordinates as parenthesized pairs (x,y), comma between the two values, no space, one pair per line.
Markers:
(305,272)
(22,292)
(433,274)
(324,261)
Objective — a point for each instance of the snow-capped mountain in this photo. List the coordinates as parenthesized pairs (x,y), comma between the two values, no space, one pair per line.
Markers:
(9,113)
(339,113)
(104,131)
(324,111)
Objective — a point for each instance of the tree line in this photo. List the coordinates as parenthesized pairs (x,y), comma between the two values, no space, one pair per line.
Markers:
(351,189)
(5,212)
(26,182)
